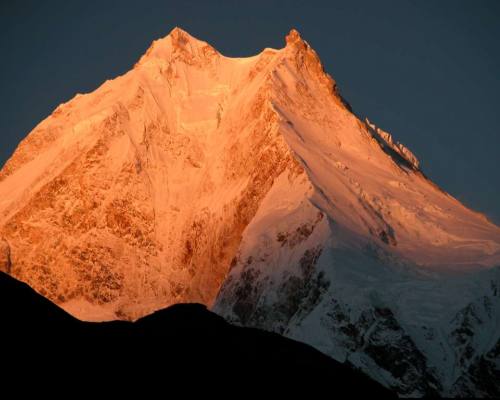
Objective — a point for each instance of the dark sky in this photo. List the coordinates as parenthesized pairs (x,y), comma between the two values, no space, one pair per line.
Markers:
(426,71)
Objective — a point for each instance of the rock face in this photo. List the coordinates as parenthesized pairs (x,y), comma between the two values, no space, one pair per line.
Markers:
(249,185)
(5,263)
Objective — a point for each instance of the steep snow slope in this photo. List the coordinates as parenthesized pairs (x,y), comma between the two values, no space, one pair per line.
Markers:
(362,256)
(147,191)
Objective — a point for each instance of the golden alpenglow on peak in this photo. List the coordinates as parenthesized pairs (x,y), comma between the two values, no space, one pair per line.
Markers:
(293,36)
(246,184)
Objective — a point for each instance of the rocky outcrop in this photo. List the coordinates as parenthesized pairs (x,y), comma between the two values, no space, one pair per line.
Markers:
(481,377)
(5,260)
(398,149)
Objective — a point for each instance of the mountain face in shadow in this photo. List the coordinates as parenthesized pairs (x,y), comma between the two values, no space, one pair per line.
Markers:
(185,341)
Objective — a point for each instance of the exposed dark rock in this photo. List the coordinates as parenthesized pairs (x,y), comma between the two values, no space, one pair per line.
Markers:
(481,378)
(5,261)
(300,234)
(393,350)
(378,334)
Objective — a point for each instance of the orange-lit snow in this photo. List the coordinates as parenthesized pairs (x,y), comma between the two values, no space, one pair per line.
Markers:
(195,169)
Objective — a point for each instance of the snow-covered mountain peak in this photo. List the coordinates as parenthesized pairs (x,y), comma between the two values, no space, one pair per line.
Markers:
(295,43)
(180,34)
(179,44)
(293,37)
(250,183)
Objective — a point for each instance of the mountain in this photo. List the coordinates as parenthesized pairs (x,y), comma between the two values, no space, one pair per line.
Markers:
(189,341)
(249,185)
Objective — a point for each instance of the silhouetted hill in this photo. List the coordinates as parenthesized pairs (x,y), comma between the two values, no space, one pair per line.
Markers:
(185,342)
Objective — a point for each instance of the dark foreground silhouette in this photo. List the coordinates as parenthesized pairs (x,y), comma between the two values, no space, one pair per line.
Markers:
(185,346)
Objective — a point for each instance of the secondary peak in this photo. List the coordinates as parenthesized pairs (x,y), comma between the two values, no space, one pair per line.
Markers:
(293,37)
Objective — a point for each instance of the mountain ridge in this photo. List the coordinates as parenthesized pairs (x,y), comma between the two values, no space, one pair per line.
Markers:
(190,340)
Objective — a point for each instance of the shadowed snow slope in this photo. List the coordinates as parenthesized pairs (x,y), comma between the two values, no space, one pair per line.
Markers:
(248,184)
